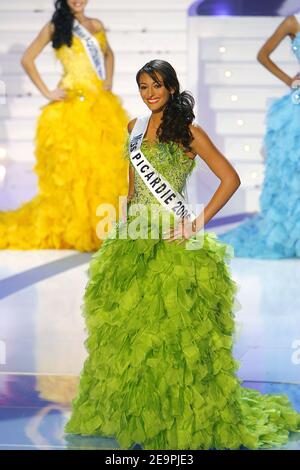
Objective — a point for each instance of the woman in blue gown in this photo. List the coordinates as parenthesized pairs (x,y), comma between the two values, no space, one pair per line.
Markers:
(274,232)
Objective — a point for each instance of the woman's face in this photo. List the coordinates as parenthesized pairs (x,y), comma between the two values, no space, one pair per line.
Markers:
(154,94)
(77,6)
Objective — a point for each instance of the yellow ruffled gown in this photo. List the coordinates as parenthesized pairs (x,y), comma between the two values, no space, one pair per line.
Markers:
(80,163)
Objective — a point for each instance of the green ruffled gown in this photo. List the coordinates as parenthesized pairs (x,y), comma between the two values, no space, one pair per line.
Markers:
(160,370)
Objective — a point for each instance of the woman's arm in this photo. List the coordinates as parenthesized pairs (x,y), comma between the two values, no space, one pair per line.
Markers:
(109,67)
(131,169)
(131,179)
(109,58)
(220,166)
(288,27)
(28,63)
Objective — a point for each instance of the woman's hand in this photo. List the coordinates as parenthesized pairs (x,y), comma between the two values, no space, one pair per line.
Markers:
(107,85)
(56,95)
(124,205)
(184,231)
(295,82)
(124,211)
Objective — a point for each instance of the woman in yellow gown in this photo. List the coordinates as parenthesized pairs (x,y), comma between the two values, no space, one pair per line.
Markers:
(79,139)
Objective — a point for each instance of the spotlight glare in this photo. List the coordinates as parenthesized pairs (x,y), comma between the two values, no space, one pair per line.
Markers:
(3,153)
(2,173)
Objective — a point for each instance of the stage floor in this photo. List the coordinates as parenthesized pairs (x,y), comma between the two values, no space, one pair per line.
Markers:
(42,341)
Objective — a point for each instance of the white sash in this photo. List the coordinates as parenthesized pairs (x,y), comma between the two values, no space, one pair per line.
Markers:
(92,48)
(155,182)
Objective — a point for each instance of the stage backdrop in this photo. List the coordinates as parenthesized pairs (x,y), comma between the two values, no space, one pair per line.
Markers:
(232,89)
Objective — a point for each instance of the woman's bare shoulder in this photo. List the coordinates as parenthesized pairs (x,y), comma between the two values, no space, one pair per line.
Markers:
(131,125)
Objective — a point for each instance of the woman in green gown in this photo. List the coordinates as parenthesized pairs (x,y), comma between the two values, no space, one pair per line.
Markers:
(159,312)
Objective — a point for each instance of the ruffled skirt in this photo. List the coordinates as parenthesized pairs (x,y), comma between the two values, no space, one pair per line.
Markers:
(80,165)
(160,370)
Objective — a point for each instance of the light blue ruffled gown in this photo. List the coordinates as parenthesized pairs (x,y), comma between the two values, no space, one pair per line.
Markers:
(274,233)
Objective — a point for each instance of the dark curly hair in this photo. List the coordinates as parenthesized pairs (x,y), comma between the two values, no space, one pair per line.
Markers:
(178,113)
(62,20)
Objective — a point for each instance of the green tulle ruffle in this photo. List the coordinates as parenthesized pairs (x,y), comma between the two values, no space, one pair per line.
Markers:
(160,370)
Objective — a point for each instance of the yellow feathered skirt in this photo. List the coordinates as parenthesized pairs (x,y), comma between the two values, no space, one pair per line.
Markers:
(80,165)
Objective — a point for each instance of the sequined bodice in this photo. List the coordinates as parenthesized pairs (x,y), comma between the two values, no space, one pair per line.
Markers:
(170,161)
(79,75)
(296,46)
